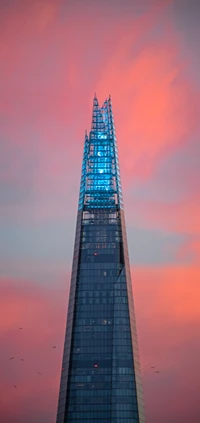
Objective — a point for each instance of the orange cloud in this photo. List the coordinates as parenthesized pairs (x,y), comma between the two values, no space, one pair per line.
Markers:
(51,85)
(182,216)
(157,104)
(175,286)
(41,311)
(167,315)
(168,319)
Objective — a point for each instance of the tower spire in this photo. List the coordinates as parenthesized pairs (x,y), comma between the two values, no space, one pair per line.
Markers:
(97,117)
(100,377)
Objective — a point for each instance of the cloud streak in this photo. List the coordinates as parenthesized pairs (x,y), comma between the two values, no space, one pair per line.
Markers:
(167,309)
(54,56)
(166,301)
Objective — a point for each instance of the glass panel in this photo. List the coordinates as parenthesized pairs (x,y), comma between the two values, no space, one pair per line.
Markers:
(99,370)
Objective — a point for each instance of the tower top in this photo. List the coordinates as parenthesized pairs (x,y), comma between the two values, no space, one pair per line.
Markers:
(96,98)
(98,114)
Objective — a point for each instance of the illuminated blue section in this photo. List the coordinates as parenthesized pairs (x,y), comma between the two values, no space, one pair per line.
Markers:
(100,179)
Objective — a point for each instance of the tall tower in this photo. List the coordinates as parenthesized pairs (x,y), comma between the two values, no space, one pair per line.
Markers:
(100,378)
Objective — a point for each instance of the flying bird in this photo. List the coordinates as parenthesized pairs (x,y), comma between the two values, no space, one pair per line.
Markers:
(157,371)
(22,359)
(20,328)
(152,367)
(54,346)
(15,386)
(39,373)
(11,358)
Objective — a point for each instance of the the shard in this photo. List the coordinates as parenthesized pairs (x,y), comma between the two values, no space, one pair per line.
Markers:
(100,377)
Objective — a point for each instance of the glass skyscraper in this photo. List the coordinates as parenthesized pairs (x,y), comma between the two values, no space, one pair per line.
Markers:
(100,378)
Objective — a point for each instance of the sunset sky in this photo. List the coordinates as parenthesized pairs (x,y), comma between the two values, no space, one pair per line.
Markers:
(54,54)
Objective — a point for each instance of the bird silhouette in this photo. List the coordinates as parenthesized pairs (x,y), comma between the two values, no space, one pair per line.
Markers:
(11,358)
(15,386)
(152,367)
(22,359)
(39,373)
(157,371)
(20,328)
(54,346)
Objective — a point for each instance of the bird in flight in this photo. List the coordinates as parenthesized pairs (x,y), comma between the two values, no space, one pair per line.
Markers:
(39,373)
(15,386)
(157,371)
(22,359)
(54,346)
(152,367)
(11,358)
(20,328)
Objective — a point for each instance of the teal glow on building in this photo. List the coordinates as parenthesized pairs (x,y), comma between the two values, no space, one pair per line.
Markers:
(100,378)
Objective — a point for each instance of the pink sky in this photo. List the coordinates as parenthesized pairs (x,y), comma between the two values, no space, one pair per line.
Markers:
(54,56)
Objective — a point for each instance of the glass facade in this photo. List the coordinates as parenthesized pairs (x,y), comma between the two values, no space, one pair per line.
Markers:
(100,378)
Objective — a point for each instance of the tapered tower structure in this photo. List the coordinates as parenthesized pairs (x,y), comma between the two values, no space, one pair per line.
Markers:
(100,378)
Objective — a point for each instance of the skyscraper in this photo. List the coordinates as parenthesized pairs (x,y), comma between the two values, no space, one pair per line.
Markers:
(100,378)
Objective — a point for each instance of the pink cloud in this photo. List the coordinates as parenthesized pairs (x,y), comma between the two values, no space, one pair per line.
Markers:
(167,314)
(41,311)
(190,249)
(168,317)
(52,77)
(49,71)
(156,106)
(182,216)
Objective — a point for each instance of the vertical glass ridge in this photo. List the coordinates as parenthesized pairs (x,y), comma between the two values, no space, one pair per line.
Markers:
(100,181)
(100,378)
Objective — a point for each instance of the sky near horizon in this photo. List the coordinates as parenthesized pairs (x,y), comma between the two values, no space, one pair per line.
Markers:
(54,54)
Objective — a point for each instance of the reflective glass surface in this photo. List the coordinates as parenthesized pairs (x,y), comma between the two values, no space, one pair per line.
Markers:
(100,379)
